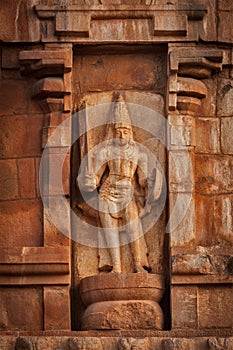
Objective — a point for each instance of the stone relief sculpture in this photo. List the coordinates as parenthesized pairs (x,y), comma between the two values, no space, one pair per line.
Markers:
(118,173)
(119,170)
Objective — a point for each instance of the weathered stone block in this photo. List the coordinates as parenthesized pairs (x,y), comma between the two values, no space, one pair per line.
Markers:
(182,131)
(57,179)
(127,72)
(192,264)
(21,309)
(182,219)
(8,179)
(225,30)
(225,5)
(215,260)
(27,184)
(56,308)
(181,171)
(52,87)
(225,97)
(215,307)
(8,343)
(13,98)
(208,103)
(71,24)
(223,219)
(180,344)
(138,314)
(208,30)
(37,176)
(213,175)
(204,207)
(166,25)
(227,134)
(184,307)
(53,235)
(16,28)
(220,343)
(18,137)
(20,223)
(207,135)
(10,58)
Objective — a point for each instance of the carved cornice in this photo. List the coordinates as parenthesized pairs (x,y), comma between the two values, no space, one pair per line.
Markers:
(85,24)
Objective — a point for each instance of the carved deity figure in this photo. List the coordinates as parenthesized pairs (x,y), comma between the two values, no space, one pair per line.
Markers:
(119,173)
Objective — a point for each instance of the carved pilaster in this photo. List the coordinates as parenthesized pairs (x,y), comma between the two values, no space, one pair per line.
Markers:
(187,71)
(51,70)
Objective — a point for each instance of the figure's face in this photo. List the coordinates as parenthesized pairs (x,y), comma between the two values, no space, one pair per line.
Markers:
(122,136)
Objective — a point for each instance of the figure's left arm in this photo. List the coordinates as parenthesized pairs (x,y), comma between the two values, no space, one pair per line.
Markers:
(142,170)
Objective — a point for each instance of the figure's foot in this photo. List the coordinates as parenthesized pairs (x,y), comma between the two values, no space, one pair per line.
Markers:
(140,269)
(116,270)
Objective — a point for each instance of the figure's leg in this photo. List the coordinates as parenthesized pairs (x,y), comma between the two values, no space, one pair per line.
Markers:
(110,226)
(134,232)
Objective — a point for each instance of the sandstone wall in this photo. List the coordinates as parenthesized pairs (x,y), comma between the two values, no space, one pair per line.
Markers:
(40,40)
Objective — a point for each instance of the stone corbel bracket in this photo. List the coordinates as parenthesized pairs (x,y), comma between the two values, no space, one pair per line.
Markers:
(114,23)
(51,69)
(188,66)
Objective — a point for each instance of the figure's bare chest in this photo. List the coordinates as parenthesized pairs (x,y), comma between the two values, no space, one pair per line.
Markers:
(122,166)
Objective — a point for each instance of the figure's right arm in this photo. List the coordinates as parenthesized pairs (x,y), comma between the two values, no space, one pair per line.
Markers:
(88,180)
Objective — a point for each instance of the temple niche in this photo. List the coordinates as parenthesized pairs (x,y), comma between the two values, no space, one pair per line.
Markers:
(119,176)
(116,194)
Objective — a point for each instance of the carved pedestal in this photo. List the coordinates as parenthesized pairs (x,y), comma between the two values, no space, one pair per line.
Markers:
(122,301)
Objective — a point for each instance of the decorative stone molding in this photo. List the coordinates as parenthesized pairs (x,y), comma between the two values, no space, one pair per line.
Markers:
(165,22)
(52,67)
(34,265)
(220,343)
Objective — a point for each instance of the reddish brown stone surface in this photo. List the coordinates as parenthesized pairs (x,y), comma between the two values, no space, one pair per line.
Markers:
(21,309)
(27,186)
(24,219)
(111,72)
(13,97)
(190,67)
(217,306)
(184,299)
(204,212)
(19,139)
(56,315)
(9,180)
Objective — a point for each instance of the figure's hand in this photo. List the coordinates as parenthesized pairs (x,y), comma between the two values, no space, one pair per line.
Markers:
(143,182)
(87,182)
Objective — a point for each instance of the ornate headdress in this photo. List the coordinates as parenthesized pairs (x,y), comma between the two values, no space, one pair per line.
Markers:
(120,114)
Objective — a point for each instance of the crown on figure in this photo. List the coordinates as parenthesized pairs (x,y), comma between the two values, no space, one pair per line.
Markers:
(120,114)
